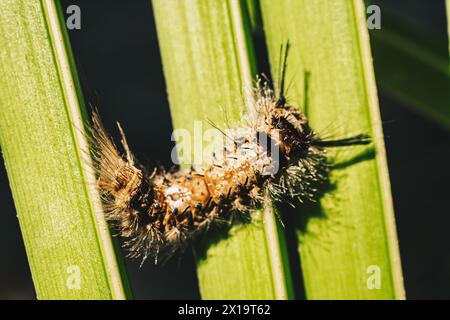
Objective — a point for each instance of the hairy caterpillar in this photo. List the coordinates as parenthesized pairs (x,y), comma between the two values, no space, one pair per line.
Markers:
(160,212)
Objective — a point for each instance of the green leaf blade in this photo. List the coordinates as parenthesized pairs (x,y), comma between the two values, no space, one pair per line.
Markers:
(67,241)
(353,228)
(447,5)
(208,65)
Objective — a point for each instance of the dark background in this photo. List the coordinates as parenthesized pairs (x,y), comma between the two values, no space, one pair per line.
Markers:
(119,65)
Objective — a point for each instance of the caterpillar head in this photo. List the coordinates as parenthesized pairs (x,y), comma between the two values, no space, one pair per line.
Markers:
(289,127)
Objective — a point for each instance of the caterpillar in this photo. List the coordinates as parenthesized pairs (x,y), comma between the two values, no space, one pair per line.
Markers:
(161,212)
